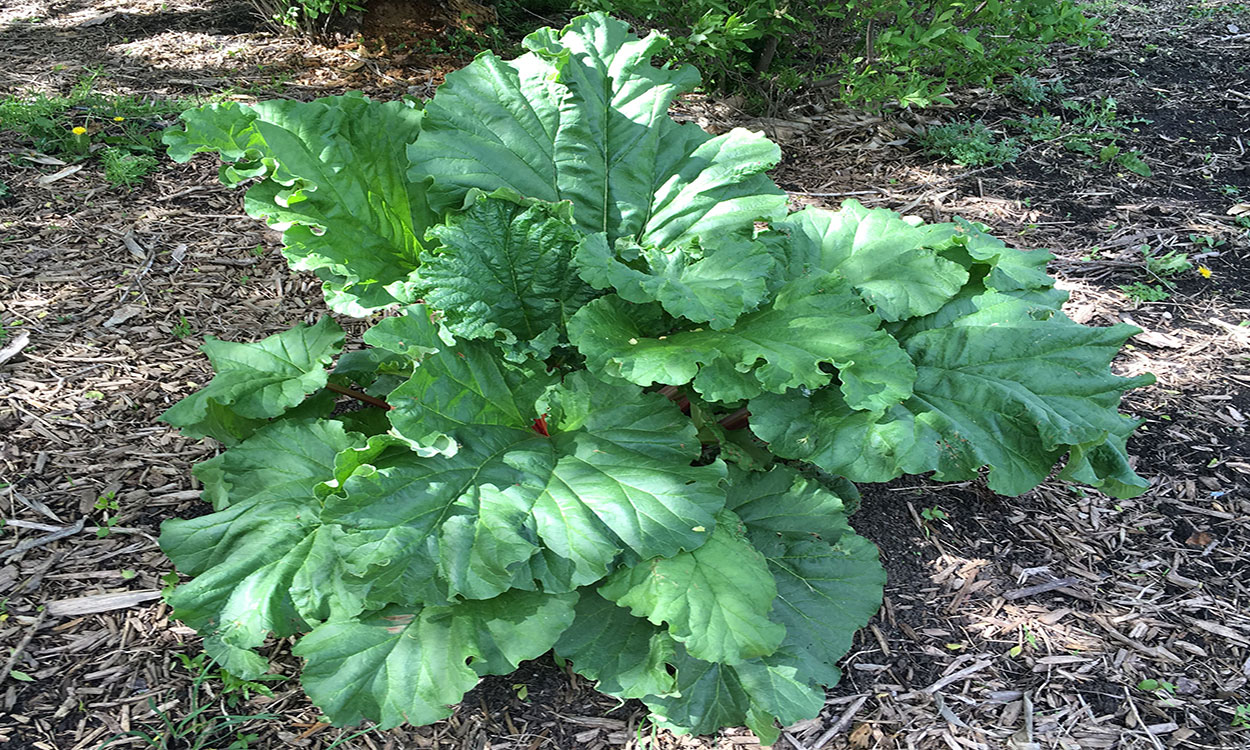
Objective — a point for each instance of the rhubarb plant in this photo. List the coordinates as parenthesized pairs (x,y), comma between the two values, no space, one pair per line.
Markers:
(612,402)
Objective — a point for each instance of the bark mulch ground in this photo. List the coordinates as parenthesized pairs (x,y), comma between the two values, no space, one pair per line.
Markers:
(1017,623)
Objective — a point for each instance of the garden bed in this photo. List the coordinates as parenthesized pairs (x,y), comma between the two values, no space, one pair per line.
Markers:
(1008,622)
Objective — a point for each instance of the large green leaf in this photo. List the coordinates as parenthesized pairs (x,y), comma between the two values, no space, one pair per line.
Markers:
(402,665)
(825,592)
(884,257)
(784,502)
(714,599)
(1007,383)
(709,695)
(398,520)
(826,589)
(451,394)
(283,461)
(1002,268)
(245,560)
(513,505)
(334,180)
(705,282)
(257,381)
(810,323)
(584,117)
(504,270)
(977,307)
(829,581)
(626,655)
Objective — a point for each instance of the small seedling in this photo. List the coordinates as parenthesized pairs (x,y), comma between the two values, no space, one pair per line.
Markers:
(203,726)
(1241,716)
(124,168)
(1027,89)
(1041,127)
(109,505)
(1152,685)
(1173,263)
(931,514)
(1204,240)
(170,580)
(182,329)
(1030,90)
(970,144)
(1140,292)
(234,689)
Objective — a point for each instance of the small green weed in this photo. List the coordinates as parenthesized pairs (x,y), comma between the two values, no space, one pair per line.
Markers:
(929,515)
(233,689)
(75,125)
(1172,263)
(107,503)
(1205,241)
(121,167)
(1027,89)
(1140,292)
(970,144)
(1097,114)
(1030,90)
(1207,10)
(1041,127)
(1094,127)
(1154,685)
(1241,716)
(1110,154)
(170,580)
(205,726)
(182,329)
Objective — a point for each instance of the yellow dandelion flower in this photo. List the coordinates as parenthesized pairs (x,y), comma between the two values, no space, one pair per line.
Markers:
(119,119)
(80,130)
(1204,272)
